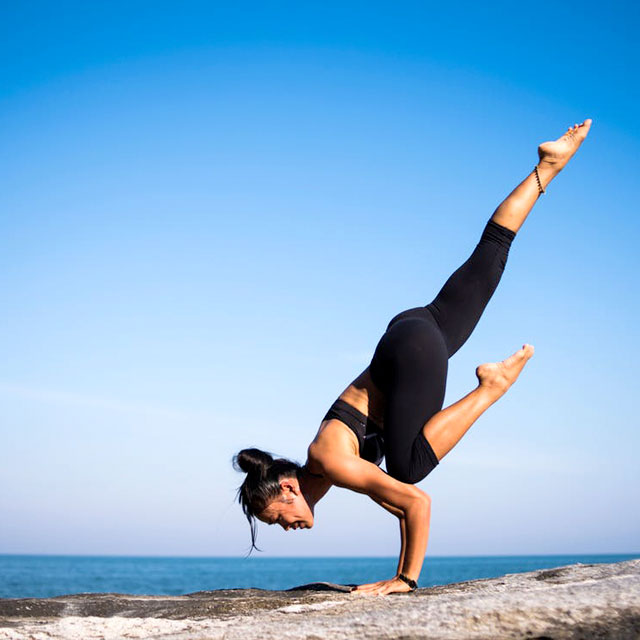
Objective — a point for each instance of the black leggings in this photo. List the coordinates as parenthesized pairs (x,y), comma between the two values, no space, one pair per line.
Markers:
(410,362)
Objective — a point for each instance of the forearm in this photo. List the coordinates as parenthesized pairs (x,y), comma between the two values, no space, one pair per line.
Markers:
(359,475)
(399,513)
(403,543)
(416,522)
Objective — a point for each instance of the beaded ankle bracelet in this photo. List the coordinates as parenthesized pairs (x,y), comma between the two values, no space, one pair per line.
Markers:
(538,179)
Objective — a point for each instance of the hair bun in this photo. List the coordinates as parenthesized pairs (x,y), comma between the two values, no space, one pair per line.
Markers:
(253,461)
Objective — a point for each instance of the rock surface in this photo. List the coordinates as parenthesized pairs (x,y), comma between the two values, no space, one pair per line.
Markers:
(577,601)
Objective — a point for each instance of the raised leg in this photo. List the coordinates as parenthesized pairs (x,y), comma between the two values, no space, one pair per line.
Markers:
(460,303)
(410,362)
(445,428)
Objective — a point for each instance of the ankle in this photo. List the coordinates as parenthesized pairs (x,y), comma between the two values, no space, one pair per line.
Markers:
(547,172)
(489,394)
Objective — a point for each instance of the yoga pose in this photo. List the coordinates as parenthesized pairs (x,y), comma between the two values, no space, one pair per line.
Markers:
(393,409)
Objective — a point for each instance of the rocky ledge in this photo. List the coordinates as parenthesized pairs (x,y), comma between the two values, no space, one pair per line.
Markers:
(576,601)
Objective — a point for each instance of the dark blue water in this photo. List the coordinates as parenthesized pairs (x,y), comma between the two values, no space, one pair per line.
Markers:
(44,576)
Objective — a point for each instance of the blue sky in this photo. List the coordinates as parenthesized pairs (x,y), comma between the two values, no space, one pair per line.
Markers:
(210,211)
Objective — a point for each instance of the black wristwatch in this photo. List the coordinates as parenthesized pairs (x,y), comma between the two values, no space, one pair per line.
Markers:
(412,583)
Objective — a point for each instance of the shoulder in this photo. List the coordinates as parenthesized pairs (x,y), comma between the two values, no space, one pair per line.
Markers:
(333,438)
(334,441)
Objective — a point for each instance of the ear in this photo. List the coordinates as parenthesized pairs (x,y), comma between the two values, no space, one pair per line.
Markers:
(289,485)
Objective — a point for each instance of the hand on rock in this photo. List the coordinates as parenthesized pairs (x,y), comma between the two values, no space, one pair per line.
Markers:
(383,587)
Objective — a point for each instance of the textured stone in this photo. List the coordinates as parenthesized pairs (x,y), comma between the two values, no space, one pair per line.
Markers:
(578,601)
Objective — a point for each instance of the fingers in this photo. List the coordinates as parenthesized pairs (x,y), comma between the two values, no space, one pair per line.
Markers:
(381,588)
(372,588)
(373,591)
(367,588)
(384,590)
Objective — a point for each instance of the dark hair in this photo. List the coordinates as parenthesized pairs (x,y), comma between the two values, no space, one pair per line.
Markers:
(262,484)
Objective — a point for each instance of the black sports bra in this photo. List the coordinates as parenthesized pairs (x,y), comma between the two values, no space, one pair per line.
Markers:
(369,434)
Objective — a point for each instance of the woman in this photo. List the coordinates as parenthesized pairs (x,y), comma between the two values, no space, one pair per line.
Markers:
(394,407)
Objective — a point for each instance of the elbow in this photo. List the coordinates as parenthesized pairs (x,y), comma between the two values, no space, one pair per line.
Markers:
(422,497)
(420,503)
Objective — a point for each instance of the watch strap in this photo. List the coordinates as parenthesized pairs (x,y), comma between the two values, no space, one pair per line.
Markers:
(412,583)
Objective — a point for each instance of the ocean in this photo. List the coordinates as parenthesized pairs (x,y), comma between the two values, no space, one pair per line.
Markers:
(23,576)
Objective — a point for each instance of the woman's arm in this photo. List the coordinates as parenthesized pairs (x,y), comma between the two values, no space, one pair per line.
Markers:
(403,530)
(352,472)
(403,545)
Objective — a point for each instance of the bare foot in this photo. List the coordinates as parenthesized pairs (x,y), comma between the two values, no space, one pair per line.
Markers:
(558,152)
(499,376)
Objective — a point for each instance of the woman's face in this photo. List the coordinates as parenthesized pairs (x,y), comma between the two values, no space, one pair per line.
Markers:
(290,509)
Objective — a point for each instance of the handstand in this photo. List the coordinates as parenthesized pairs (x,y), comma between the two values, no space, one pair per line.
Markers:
(393,409)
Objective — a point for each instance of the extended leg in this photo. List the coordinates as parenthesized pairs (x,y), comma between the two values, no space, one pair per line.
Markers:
(460,303)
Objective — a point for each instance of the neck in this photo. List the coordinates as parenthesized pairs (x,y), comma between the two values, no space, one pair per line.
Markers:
(313,486)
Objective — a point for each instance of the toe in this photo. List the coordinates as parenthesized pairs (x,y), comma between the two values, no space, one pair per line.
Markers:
(585,126)
(515,357)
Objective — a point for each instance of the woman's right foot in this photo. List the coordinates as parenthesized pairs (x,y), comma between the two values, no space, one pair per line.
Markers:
(558,152)
(499,376)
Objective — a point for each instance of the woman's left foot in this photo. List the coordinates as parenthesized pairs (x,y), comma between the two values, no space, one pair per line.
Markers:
(558,152)
(499,376)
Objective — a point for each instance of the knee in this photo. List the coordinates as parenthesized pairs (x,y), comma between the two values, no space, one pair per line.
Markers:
(413,466)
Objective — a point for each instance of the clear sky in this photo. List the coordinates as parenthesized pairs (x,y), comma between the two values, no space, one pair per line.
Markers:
(210,211)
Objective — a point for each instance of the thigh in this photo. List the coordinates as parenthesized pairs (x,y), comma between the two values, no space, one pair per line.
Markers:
(410,367)
(462,300)
(460,303)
